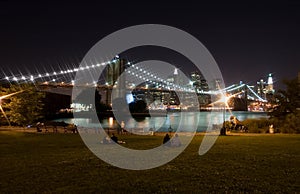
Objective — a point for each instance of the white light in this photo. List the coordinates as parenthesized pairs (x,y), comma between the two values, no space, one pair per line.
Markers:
(87,67)
(93,66)
(81,68)
(144,71)
(128,71)
(15,79)
(61,71)
(106,83)
(117,56)
(103,64)
(98,65)
(40,75)
(75,69)
(53,80)
(54,73)
(94,82)
(23,78)
(47,74)
(31,78)
(7,78)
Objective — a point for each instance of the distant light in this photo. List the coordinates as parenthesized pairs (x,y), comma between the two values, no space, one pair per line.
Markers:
(106,83)
(31,78)
(53,80)
(103,64)
(40,75)
(61,71)
(7,78)
(15,79)
(98,65)
(117,56)
(23,78)
(175,71)
(93,66)
(54,73)
(47,74)
(94,82)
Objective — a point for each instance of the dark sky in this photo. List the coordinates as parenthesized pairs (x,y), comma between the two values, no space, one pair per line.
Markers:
(248,40)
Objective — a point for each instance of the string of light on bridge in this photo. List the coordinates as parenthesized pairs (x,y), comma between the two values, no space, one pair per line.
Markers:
(135,70)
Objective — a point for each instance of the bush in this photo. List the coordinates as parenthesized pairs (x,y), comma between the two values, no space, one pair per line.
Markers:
(257,125)
(291,123)
(288,124)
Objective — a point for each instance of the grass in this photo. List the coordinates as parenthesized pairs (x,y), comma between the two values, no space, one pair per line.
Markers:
(60,163)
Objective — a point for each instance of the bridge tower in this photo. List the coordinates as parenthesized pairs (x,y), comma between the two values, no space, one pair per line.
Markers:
(113,79)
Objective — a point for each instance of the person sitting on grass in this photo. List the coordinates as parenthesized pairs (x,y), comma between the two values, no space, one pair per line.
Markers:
(175,142)
(106,140)
(166,140)
(114,138)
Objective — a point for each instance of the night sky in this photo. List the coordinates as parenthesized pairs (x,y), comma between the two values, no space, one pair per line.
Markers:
(248,41)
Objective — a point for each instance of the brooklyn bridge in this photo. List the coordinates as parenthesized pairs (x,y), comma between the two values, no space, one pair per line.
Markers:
(160,91)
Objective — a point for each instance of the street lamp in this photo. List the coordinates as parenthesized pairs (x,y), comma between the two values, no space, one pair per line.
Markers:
(224,99)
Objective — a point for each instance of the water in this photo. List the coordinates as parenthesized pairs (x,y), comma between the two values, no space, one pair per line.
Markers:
(180,121)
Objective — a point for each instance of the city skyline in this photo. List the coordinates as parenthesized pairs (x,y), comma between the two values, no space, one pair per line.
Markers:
(247,41)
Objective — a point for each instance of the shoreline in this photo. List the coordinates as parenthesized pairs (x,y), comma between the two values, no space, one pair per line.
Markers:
(60,130)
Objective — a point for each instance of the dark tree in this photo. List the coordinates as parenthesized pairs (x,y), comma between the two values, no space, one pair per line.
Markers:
(287,101)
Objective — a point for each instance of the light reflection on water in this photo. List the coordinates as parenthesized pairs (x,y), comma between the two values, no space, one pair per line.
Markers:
(187,121)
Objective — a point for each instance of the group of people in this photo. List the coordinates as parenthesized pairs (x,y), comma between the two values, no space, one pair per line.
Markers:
(174,142)
(112,139)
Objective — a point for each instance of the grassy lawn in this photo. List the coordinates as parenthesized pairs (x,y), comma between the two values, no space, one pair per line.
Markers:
(60,163)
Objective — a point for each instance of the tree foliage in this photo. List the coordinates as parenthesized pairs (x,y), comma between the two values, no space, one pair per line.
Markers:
(25,107)
(287,100)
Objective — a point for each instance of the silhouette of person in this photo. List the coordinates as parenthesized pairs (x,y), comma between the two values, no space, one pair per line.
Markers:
(166,140)
(114,138)
(175,142)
